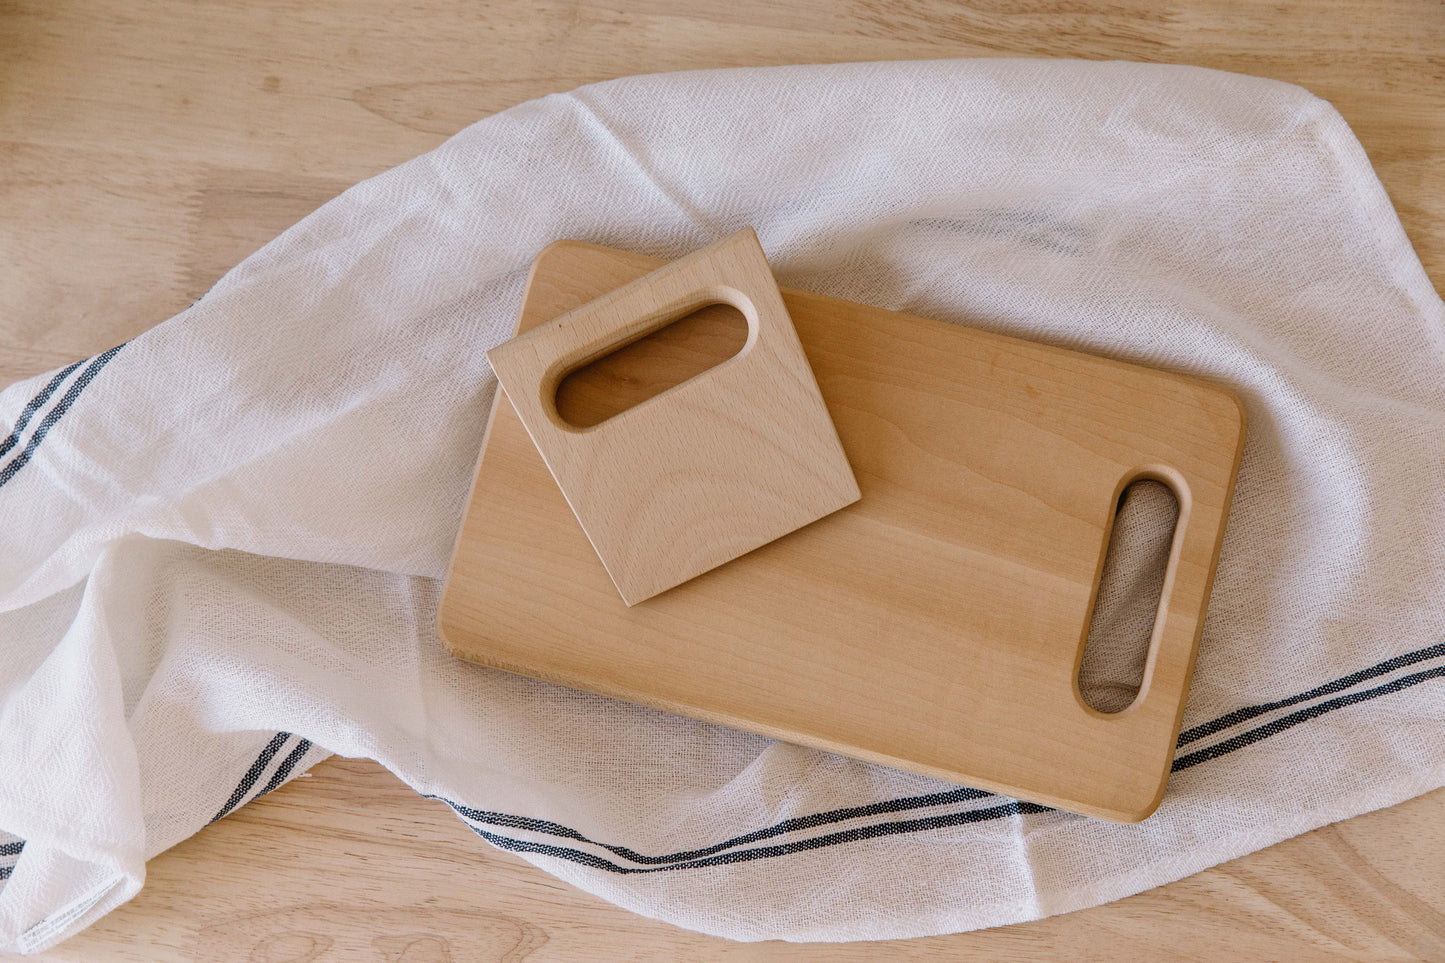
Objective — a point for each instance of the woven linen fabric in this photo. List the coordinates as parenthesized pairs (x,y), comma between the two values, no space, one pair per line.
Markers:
(221,543)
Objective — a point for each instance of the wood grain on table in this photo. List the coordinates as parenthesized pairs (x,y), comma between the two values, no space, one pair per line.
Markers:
(145,147)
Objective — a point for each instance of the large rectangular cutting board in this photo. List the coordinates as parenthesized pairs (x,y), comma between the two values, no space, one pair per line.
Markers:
(935,625)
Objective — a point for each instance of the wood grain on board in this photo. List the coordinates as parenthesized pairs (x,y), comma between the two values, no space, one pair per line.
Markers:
(146,147)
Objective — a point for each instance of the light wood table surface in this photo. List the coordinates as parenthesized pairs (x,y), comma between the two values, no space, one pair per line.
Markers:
(146,146)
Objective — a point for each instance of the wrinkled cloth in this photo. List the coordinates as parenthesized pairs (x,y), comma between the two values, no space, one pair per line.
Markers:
(221,543)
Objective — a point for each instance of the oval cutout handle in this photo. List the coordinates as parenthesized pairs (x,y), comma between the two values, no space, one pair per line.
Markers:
(675,353)
(1127,601)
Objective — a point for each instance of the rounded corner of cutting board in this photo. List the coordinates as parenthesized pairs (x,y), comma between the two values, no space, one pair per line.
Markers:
(1135,800)
(1130,815)
(565,250)
(1231,405)
(552,250)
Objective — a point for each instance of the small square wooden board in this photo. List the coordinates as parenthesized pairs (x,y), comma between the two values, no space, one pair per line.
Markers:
(935,625)
(726,461)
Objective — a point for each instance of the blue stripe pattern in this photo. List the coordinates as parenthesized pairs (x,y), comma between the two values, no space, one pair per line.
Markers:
(34,405)
(87,374)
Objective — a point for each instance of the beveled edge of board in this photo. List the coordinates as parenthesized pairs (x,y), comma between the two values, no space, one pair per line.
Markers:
(1224,511)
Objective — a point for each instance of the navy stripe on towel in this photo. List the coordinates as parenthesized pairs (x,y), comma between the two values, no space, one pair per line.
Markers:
(1234,743)
(1338,685)
(1010,808)
(504,820)
(83,379)
(253,775)
(34,405)
(287,764)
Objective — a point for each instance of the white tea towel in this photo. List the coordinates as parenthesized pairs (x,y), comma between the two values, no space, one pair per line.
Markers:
(220,544)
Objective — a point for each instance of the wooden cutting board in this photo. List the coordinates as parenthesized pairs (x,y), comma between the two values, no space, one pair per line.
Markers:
(937,624)
(731,459)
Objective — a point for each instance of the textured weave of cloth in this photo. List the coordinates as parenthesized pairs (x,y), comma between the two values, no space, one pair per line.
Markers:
(220,543)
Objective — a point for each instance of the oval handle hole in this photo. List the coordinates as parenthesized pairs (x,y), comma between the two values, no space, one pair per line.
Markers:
(681,350)
(1127,604)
